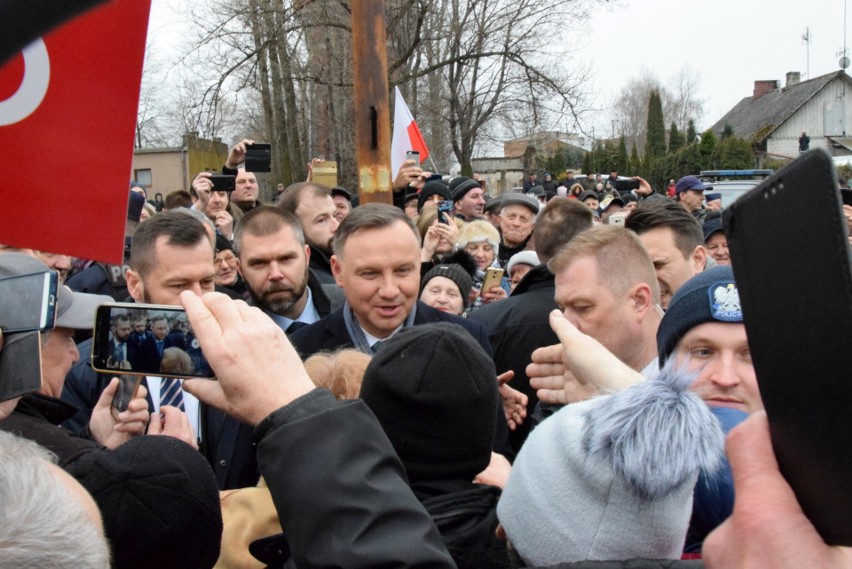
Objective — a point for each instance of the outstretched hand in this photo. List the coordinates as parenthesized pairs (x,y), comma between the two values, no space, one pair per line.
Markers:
(258,370)
(577,368)
(514,402)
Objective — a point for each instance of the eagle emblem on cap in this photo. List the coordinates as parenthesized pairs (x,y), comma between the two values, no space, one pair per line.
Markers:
(725,302)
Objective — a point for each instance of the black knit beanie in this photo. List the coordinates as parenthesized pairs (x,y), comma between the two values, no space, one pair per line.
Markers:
(459,267)
(435,187)
(710,296)
(461,185)
(434,391)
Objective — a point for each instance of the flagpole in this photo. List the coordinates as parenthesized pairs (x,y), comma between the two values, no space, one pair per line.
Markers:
(432,162)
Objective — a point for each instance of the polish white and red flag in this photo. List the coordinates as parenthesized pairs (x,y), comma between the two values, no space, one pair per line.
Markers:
(406,135)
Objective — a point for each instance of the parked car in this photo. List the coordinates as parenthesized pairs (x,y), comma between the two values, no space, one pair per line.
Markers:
(733,183)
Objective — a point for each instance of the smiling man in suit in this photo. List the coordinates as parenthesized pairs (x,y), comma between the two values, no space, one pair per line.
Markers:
(376,262)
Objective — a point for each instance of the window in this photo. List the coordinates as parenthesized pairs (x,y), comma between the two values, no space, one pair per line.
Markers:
(143,177)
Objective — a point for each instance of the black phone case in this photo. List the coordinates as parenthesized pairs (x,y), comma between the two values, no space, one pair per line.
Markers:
(258,157)
(791,258)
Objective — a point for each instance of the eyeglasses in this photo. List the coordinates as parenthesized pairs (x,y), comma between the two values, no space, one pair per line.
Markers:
(229,259)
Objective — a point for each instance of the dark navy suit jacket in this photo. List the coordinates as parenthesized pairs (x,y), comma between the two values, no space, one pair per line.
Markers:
(330,333)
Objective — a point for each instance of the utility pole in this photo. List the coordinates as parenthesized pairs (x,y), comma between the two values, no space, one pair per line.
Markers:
(806,37)
(372,116)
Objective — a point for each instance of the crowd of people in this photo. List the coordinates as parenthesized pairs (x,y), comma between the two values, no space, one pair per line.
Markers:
(545,377)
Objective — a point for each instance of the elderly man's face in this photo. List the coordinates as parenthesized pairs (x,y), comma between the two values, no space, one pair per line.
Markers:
(516,224)
(58,354)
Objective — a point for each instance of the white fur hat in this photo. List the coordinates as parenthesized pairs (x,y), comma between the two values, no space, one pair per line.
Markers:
(476,232)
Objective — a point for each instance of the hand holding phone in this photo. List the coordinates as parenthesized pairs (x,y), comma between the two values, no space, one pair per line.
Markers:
(111,428)
(258,157)
(168,346)
(223,182)
(493,276)
(445,211)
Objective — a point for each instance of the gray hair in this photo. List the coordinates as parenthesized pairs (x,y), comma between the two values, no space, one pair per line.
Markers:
(41,523)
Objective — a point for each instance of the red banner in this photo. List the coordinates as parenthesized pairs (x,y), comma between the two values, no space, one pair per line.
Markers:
(67,116)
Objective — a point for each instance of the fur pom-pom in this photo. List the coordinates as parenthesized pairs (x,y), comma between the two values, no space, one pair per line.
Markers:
(655,433)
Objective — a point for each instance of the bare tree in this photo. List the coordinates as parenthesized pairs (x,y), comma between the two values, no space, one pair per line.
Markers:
(680,99)
(282,70)
(685,101)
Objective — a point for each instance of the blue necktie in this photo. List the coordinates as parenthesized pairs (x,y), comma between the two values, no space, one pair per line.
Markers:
(171,393)
(160,348)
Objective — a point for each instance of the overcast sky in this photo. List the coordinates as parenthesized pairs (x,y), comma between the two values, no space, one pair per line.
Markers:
(728,43)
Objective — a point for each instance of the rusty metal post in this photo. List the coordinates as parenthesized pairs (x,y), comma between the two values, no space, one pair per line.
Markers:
(372,113)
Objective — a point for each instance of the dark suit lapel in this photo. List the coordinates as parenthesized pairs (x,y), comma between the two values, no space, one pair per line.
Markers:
(338,336)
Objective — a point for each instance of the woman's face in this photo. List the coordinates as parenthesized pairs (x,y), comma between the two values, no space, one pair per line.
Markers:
(444,246)
(482,252)
(443,294)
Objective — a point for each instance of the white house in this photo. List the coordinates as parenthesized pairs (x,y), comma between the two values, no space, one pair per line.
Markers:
(773,118)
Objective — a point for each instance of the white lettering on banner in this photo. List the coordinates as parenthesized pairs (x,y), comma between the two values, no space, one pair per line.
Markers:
(33,87)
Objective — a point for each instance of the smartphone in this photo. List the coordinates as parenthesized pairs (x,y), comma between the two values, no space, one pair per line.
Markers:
(445,211)
(168,348)
(223,182)
(493,276)
(626,185)
(324,173)
(413,155)
(258,157)
(128,387)
(28,302)
(20,365)
(617,219)
(799,324)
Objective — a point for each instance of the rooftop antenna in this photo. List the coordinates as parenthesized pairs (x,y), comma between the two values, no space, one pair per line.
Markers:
(806,37)
(844,60)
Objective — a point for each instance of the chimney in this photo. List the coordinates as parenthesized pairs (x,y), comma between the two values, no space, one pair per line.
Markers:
(793,78)
(763,87)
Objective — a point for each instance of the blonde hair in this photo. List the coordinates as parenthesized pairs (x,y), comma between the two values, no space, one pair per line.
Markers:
(622,260)
(340,372)
(175,361)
